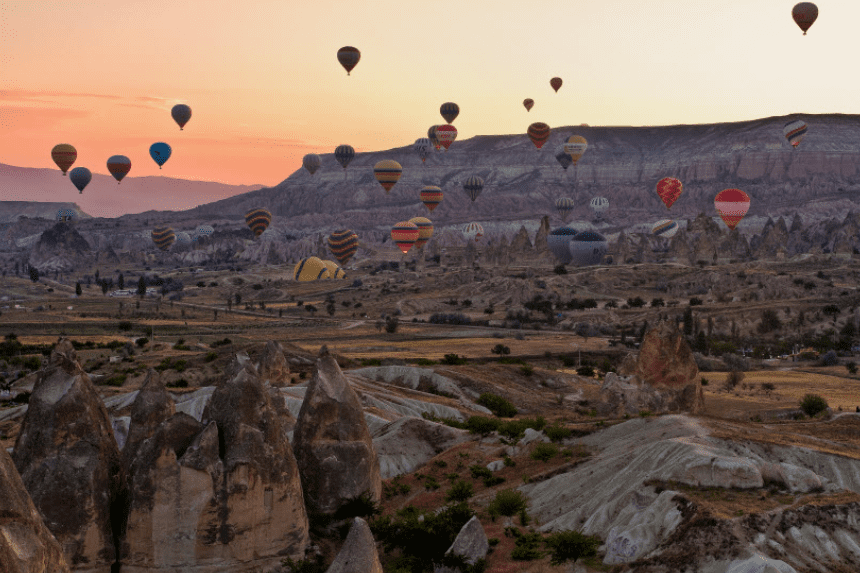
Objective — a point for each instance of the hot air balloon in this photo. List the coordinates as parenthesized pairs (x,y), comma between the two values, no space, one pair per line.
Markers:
(181,114)
(449,111)
(80,177)
(446,134)
(119,166)
(473,186)
(794,131)
(343,244)
(405,234)
(387,172)
(599,205)
(555,83)
(732,205)
(344,154)
(425,230)
(431,196)
(575,147)
(558,242)
(587,248)
(348,57)
(563,158)
(160,153)
(665,228)
(64,155)
(258,220)
(204,230)
(310,269)
(66,215)
(334,271)
(564,206)
(804,14)
(538,132)
(423,147)
(669,189)
(473,231)
(163,237)
(529,103)
(183,238)
(312,162)
(431,134)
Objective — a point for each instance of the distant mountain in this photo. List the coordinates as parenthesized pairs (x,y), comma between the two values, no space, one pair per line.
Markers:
(104,198)
(11,211)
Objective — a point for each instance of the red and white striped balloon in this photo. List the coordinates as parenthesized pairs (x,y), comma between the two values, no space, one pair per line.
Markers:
(732,204)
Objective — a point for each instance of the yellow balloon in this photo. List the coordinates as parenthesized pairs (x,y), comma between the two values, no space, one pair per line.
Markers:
(335,272)
(310,269)
(575,147)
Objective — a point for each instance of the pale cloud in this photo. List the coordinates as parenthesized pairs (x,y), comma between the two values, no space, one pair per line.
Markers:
(14,118)
(33,95)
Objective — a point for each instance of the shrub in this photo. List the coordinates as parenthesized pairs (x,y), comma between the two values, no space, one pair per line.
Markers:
(813,404)
(507,502)
(460,491)
(509,462)
(500,349)
(454,359)
(830,358)
(497,405)
(852,368)
(124,325)
(141,342)
(425,362)
(481,425)
(527,370)
(557,432)
(587,371)
(695,301)
(526,546)
(544,452)
(391,324)
(493,481)
(635,302)
(571,546)
(180,383)
(359,506)
(210,356)
(734,378)
(117,380)
(479,471)
(315,565)
(704,381)
(768,387)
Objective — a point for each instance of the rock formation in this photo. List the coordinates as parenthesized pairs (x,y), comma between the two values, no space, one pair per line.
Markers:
(26,545)
(358,554)
(152,406)
(333,447)
(470,545)
(70,463)
(273,366)
(408,443)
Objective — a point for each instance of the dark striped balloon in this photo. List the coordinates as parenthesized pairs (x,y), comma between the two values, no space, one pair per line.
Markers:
(538,133)
(387,172)
(425,230)
(348,57)
(449,111)
(564,159)
(431,134)
(404,234)
(431,196)
(312,162)
(344,154)
(343,243)
(163,237)
(258,220)
(473,187)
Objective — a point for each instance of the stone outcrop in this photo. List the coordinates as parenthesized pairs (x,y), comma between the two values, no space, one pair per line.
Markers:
(69,461)
(408,443)
(470,546)
(333,446)
(26,545)
(152,406)
(273,366)
(358,554)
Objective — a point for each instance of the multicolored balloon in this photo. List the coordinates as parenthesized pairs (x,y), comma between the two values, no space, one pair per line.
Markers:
(539,133)
(431,196)
(473,231)
(344,154)
(163,237)
(80,177)
(348,58)
(119,166)
(310,269)
(204,230)
(405,234)
(575,147)
(431,134)
(181,114)
(732,205)
(473,186)
(425,230)
(599,205)
(669,189)
(423,147)
(528,103)
(334,271)
(183,238)
(160,153)
(387,172)
(563,158)
(311,162)
(446,134)
(555,83)
(66,215)
(804,14)
(64,155)
(794,131)
(665,228)
(343,244)
(449,111)
(564,206)
(258,220)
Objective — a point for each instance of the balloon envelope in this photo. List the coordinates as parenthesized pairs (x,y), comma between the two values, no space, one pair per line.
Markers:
(587,248)
(348,57)
(64,155)
(160,153)
(669,189)
(528,103)
(539,133)
(804,14)
(181,114)
(794,131)
(425,230)
(431,196)
(446,134)
(732,205)
(334,271)
(66,215)
(182,238)
(387,172)
(405,234)
(423,147)
(575,147)
(449,111)
(312,162)
(80,177)
(473,231)
(563,158)
(558,242)
(119,166)
(599,205)
(163,237)
(555,83)
(258,220)
(665,228)
(310,269)
(204,230)
(473,187)
(344,154)
(343,244)
(564,206)
(431,134)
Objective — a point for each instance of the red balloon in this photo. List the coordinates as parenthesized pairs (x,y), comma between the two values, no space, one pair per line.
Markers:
(732,204)
(804,15)
(555,83)
(669,189)
(405,234)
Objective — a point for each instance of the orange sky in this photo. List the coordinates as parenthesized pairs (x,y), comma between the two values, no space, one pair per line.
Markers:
(265,87)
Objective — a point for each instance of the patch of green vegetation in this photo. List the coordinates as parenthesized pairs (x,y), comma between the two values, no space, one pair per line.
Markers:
(395,487)
(179,383)
(497,405)
(115,380)
(371,362)
(507,502)
(460,491)
(425,362)
(813,404)
(544,452)
(210,356)
(571,546)
(454,360)
(557,432)
(526,545)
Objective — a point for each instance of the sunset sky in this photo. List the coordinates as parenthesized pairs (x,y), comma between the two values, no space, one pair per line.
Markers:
(265,86)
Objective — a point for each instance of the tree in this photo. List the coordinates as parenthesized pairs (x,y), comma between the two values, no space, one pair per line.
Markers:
(813,404)
(141,287)
(97,274)
(688,321)
(121,281)
(105,287)
(238,298)
(78,290)
(769,321)
(34,274)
